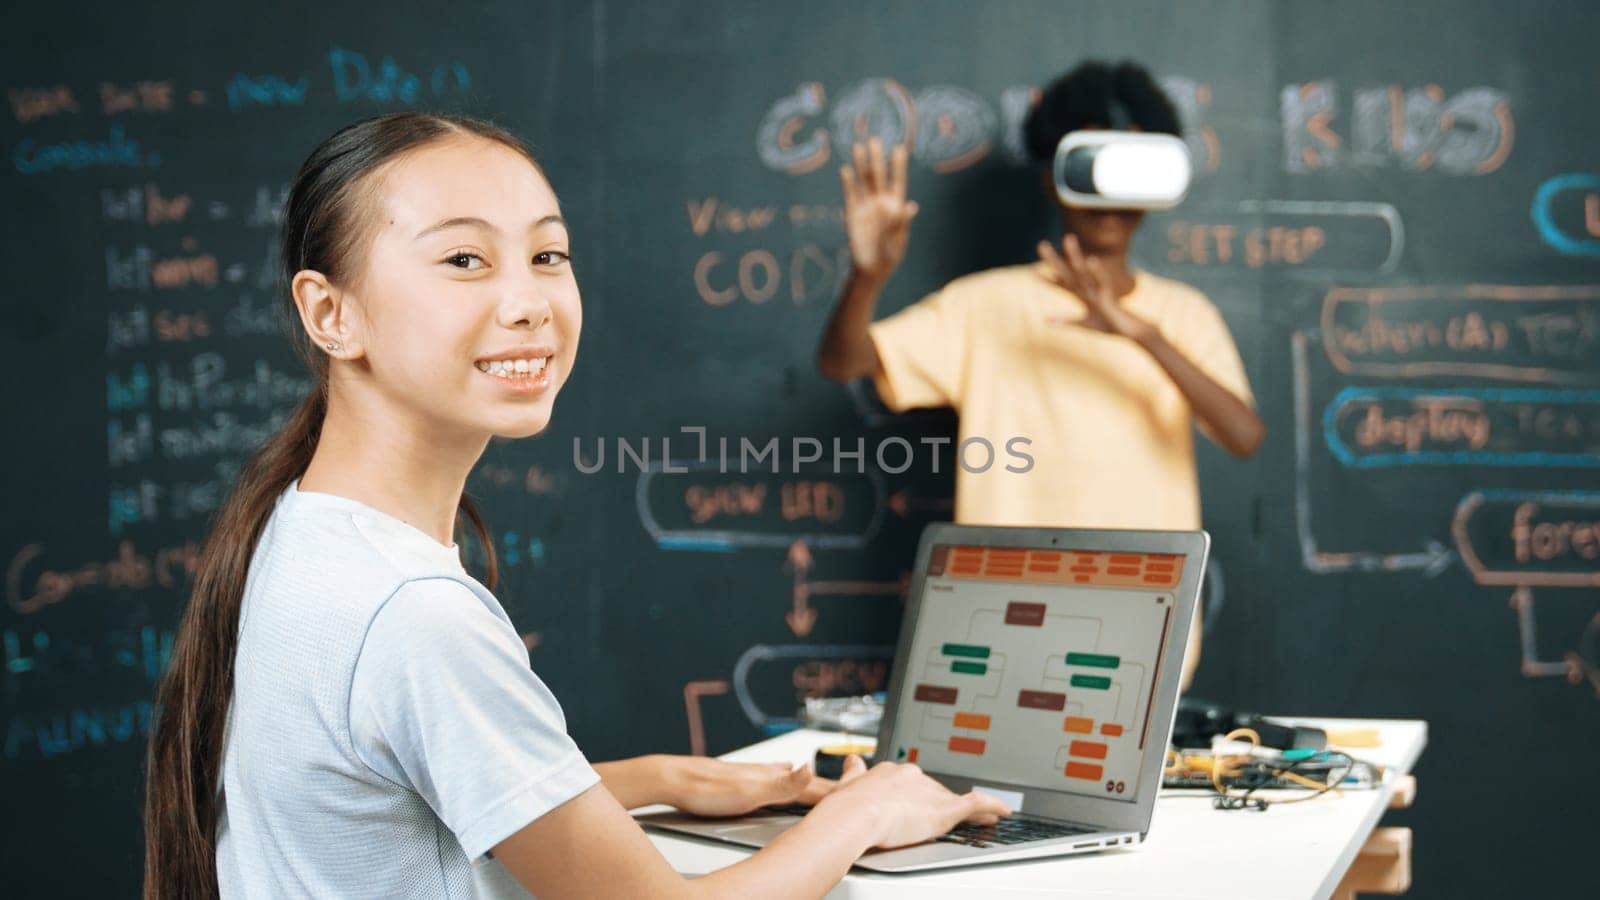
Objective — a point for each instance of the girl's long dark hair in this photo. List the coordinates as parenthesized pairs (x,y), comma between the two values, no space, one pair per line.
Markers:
(327,227)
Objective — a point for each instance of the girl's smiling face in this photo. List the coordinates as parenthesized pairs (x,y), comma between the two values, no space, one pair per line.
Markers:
(468,303)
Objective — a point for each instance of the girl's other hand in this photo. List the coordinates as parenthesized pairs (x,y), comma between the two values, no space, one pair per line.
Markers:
(714,787)
(909,806)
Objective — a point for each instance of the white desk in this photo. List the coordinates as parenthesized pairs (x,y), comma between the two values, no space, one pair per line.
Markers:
(1296,851)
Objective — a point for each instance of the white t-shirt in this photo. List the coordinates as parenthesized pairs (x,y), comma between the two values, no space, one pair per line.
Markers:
(386,730)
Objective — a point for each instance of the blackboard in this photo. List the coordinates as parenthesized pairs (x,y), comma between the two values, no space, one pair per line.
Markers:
(1398,213)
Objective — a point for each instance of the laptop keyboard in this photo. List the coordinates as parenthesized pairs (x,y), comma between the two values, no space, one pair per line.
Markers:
(1014,829)
(791,809)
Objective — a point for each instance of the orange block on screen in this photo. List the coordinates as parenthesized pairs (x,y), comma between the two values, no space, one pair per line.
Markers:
(972,720)
(959,744)
(1088,749)
(1084,771)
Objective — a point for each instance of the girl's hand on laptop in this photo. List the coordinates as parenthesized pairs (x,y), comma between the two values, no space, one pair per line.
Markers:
(714,787)
(909,806)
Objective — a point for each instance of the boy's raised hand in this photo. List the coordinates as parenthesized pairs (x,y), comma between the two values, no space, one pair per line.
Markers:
(877,217)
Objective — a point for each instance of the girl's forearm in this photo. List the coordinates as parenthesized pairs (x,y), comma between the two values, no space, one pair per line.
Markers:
(639,781)
(804,862)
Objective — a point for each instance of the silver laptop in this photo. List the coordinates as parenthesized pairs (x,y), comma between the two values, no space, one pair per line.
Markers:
(1040,665)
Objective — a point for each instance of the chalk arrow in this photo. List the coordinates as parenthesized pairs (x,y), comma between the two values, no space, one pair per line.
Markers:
(902,503)
(801,617)
(799,558)
(1434,557)
(692,692)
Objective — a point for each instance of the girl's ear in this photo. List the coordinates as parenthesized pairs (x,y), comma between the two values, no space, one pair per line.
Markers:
(329,319)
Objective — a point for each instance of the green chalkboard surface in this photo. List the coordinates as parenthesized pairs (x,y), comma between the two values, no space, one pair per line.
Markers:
(1397,212)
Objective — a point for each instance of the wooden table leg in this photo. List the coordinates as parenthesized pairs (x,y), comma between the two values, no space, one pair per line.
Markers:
(1382,867)
(1384,864)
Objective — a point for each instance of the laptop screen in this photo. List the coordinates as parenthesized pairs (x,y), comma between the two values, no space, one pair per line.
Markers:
(1037,667)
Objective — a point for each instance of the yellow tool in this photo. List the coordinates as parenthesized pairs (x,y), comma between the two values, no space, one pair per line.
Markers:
(830,758)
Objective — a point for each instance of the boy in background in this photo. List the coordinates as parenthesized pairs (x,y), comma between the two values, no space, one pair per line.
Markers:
(1101,366)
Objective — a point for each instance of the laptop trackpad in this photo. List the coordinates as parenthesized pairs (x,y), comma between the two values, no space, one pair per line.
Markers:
(756,835)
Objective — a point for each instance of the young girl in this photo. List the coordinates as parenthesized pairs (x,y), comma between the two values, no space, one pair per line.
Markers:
(348,712)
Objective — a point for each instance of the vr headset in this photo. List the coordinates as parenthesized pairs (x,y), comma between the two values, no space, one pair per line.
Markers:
(1122,170)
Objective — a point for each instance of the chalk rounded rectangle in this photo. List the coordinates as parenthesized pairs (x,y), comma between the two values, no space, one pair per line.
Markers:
(760,654)
(1461,413)
(1514,514)
(1303,236)
(1529,333)
(1565,234)
(759,497)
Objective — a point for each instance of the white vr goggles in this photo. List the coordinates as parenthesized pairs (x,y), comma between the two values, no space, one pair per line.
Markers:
(1122,170)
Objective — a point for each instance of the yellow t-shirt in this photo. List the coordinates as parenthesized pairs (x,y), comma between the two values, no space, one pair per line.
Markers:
(1110,436)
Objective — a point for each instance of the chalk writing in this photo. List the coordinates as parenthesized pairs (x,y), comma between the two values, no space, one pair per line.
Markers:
(811,670)
(140,96)
(1369,427)
(246,91)
(839,677)
(32,653)
(703,508)
(202,384)
(810,272)
(30,103)
(32,584)
(1308,235)
(1533,538)
(1523,333)
(948,128)
(140,269)
(1193,100)
(709,502)
(710,212)
(221,433)
(956,128)
(354,78)
(533,479)
(116,151)
(1221,243)
(55,734)
(1467,133)
(779,143)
